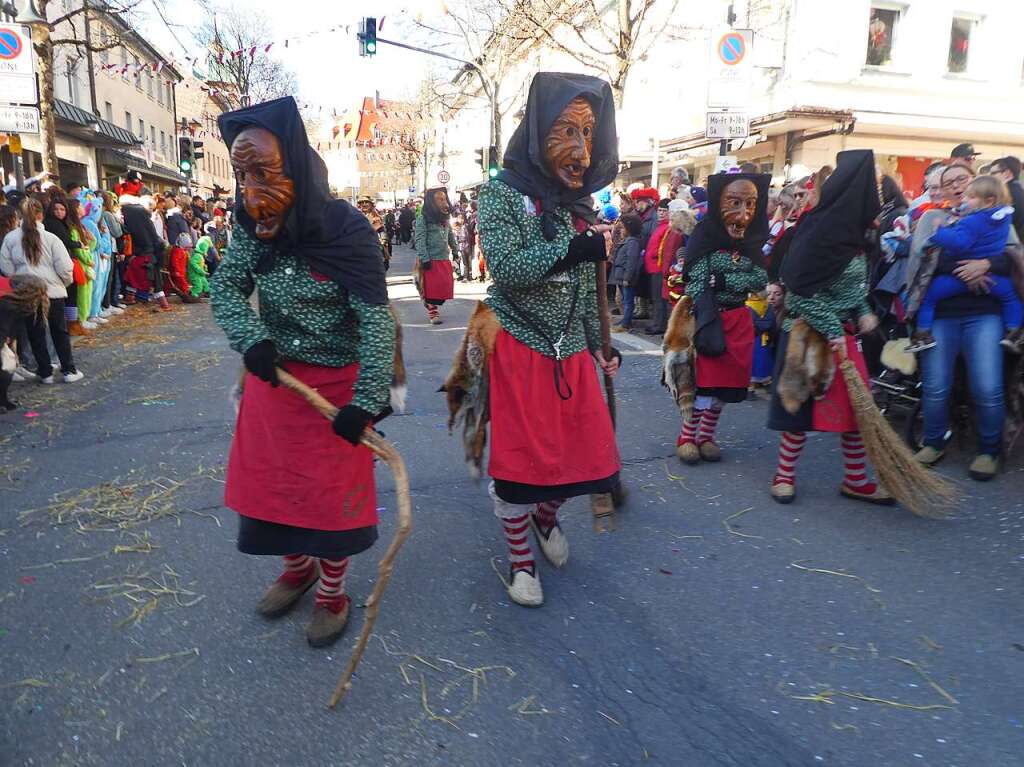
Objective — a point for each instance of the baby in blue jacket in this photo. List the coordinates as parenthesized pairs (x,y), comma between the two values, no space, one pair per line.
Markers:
(982,233)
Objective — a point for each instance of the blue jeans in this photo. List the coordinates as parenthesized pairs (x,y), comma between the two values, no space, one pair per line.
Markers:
(977,338)
(628,301)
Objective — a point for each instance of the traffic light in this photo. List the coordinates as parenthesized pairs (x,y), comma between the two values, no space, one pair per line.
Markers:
(368,36)
(492,162)
(197,151)
(481,159)
(186,155)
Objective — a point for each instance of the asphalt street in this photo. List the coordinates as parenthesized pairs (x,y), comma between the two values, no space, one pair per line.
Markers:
(714,627)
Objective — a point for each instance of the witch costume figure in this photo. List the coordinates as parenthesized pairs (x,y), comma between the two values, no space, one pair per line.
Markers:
(435,247)
(526,363)
(303,488)
(723,265)
(825,273)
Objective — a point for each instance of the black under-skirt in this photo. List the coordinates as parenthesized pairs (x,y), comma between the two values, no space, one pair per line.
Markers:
(521,493)
(780,419)
(723,393)
(256,536)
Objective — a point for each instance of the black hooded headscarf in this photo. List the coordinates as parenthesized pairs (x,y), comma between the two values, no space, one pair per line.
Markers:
(710,234)
(431,212)
(525,170)
(334,238)
(832,232)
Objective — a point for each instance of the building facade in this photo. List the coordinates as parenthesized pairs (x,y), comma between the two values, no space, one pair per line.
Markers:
(199,106)
(907,78)
(114,108)
(136,87)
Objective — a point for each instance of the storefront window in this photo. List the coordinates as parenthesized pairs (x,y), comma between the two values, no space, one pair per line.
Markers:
(959,44)
(881,34)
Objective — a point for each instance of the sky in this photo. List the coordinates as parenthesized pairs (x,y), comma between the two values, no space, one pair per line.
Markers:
(327,65)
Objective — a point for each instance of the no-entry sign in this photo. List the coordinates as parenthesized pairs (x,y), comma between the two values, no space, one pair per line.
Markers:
(17,66)
(730,69)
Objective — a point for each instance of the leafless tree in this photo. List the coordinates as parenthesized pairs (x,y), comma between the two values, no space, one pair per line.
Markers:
(492,35)
(71,28)
(607,37)
(237,36)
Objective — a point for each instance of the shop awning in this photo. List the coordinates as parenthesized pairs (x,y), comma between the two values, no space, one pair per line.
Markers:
(122,161)
(795,119)
(77,122)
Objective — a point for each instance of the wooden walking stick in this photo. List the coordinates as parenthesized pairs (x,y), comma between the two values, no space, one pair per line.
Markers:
(387,453)
(602,505)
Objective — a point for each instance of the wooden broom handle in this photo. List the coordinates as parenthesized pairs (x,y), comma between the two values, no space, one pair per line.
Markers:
(387,453)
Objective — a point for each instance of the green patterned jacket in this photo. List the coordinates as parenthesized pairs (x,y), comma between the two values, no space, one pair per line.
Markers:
(530,303)
(742,277)
(308,319)
(844,299)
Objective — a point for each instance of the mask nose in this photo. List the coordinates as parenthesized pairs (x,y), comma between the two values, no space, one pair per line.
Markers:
(253,200)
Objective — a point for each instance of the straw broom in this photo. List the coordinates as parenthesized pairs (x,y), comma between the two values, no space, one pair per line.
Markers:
(922,491)
(387,453)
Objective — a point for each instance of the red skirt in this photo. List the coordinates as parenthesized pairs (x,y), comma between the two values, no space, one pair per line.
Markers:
(438,281)
(288,466)
(137,273)
(537,438)
(834,411)
(731,370)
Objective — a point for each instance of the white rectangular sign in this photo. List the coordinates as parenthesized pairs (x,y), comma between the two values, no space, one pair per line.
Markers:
(730,68)
(19,119)
(725,125)
(725,163)
(17,89)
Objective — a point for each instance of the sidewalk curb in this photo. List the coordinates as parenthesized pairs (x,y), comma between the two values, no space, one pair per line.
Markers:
(637,343)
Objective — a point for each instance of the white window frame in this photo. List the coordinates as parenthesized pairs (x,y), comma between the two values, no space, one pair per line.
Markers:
(975,20)
(901,10)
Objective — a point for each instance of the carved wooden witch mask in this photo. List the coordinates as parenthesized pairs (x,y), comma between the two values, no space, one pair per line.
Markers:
(267,191)
(570,142)
(738,205)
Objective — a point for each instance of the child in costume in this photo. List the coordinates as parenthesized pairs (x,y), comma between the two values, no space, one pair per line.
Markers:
(303,488)
(178,264)
(83,251)
(196,274)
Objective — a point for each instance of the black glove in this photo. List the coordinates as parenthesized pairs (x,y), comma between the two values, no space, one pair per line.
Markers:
(717,281)
(261,360)
(587,246)
(425,266)
(583,248)
(350,423)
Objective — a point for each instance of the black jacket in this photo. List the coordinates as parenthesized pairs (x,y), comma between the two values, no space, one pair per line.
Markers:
(1017,196)
(139,225)
(177,225)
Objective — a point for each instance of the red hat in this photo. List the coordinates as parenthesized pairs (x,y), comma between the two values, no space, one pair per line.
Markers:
(646,193)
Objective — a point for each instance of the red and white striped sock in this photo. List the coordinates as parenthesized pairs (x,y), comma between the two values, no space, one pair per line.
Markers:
(331,591)
(790,446)
(690,426)
(708,423)
(855,468)
(546,515)
(520,555)
(297,569)
(431,311)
